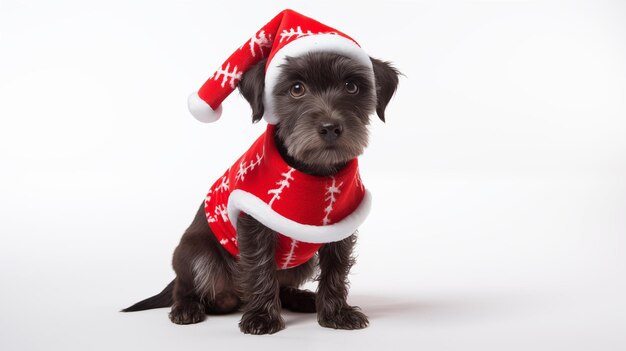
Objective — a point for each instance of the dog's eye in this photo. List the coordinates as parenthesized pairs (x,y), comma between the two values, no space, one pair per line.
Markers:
(351,87)
(297,90)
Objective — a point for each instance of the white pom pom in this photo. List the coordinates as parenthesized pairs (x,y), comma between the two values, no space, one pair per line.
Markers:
(201,110)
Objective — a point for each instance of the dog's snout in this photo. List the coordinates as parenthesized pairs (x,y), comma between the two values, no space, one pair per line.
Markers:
(330,131)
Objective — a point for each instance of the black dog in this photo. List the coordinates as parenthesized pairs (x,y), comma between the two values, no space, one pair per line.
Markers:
(324,101)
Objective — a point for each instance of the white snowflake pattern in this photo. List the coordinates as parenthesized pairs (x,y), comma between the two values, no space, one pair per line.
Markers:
(220,210)
(259,40)
(298,33)
(246,166)
(283,183)
(331,199)
(226,73)
(209,217)
(224,241)
(291,254)
(224,184)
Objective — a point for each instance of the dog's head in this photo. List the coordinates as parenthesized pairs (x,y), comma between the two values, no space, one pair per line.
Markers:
(323,101)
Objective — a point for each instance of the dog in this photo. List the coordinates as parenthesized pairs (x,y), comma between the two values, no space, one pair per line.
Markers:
(324,101)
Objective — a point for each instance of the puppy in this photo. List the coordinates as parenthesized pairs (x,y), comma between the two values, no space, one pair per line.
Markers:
(324,101)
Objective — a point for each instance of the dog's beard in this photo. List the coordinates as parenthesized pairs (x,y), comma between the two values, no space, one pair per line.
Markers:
(306,146)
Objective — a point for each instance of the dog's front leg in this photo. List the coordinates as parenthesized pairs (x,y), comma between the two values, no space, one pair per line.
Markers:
(333,310)
(257,278)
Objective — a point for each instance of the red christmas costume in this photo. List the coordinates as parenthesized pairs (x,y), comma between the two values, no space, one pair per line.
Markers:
(306,210)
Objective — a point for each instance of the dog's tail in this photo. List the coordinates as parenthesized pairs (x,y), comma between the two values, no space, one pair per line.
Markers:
(162,299)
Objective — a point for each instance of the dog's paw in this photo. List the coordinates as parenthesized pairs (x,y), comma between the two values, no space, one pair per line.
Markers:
(347,317)
(297,300)
(260,323)
(187,313)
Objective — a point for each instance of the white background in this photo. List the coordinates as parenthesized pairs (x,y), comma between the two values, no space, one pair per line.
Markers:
(499,180)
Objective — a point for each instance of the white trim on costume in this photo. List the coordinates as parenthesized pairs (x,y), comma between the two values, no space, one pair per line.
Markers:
(243,201)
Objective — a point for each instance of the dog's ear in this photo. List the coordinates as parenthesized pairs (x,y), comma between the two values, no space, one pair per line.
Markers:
(386,77)
(251,87)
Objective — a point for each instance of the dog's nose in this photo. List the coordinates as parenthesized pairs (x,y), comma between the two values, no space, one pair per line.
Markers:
(330,131)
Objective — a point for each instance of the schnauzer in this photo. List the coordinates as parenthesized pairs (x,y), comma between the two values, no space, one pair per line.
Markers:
(324,101)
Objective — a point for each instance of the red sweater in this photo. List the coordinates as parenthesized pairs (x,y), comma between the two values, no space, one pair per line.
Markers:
(307,211)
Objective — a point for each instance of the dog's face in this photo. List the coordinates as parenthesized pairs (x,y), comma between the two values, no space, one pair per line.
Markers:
(323,102)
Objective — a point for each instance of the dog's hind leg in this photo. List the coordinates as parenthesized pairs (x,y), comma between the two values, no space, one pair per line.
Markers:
(204,286)
(203,273)
(187,308)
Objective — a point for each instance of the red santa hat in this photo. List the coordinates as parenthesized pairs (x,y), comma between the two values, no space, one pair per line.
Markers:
(288,34)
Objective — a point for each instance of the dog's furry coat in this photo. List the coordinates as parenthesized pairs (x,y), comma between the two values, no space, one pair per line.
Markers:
(324,101)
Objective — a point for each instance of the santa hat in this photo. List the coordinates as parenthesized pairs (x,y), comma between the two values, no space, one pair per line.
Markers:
(289,34)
